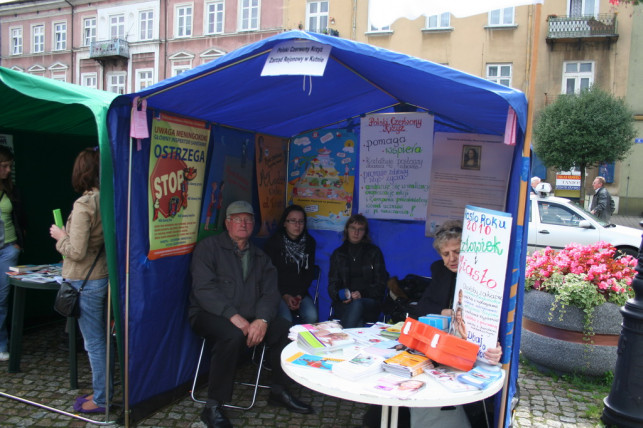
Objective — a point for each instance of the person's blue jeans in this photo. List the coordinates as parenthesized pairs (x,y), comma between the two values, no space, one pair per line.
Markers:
(357,312)
(93,326)
(307,311)
(8,257)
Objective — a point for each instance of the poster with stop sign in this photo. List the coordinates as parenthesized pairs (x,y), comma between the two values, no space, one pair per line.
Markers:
(178,153)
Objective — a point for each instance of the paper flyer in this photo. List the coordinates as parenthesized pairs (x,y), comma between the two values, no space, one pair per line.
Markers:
(270,155)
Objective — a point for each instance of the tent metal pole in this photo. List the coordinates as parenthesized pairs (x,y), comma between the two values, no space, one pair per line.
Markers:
(127,267)
(522,201)
(216,70)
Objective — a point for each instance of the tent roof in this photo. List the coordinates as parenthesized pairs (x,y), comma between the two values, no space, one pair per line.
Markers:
(34,103)
(358,79)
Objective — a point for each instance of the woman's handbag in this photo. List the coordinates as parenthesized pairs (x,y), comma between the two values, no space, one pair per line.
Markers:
(66,303)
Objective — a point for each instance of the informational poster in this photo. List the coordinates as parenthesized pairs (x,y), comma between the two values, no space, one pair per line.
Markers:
(480,282)
(297,57)
(321,175)
(270,155)
(178,154)
(395,165)
(229,176)
(467,169)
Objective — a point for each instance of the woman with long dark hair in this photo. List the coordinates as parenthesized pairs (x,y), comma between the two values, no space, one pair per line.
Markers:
(357,276)
(292,251)
(12,233)
(81,243)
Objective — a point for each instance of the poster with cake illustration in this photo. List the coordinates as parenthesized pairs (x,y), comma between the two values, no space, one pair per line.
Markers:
(321,174)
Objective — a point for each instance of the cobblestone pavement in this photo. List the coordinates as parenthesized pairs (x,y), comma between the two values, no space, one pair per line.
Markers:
(545,401)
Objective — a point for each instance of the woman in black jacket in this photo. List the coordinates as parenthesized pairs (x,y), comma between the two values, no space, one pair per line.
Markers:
(292,251)
(357,277)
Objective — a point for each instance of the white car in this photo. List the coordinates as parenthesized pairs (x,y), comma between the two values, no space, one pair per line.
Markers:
(556,222)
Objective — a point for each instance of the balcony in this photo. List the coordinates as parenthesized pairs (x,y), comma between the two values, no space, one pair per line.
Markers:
(114,49)
(582,28)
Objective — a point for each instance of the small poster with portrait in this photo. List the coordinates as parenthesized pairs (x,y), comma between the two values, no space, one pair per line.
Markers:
(471,157)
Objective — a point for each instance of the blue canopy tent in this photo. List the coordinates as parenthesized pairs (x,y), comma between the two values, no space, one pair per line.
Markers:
(229,92)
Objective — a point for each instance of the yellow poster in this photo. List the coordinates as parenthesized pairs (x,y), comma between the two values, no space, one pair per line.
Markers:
(178,152)
(270,155)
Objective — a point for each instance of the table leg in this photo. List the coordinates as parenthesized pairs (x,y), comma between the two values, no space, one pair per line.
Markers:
(17,324)
(394,413)
(384,417)
(73,358)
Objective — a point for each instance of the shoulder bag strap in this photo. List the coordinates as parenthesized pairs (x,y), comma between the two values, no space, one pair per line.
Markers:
(91,269)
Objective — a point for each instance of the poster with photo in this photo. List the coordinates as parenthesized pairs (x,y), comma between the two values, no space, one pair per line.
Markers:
(482,268)
(467,169)
(321,176)
(178,154)
(395,165)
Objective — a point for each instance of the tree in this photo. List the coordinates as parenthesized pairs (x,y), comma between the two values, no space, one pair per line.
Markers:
(584,130)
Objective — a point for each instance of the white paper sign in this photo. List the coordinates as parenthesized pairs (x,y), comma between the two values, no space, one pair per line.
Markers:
(395,164)
(297,57)
(480,282)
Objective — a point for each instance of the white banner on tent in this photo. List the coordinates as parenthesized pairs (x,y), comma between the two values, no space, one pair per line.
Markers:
(297,57)
(395,165)
(480,282)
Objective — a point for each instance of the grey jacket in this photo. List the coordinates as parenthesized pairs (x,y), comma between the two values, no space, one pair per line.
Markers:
(218,286)
(601,204)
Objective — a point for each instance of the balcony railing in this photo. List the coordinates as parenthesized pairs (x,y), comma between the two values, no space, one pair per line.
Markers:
(575,27)
(114,48)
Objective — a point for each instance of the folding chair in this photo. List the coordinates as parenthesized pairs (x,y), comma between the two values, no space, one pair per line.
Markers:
(256,384)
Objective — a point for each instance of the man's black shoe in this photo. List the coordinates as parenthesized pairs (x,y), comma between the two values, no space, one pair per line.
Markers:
(286,400)
(214,417)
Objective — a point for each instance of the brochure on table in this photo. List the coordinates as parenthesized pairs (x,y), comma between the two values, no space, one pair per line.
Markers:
(481,276)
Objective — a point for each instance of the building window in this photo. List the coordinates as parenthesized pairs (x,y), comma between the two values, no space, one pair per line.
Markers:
(499,73)
(60,36)
(60,77)
(438,22)
(16,41)
(89,31)
(179,68)
(248,15)
(214,14)
(116,83)
(577,76)
(501,17)
(183,21)
(317,16)
(146,23)
(583,8)
(38,39)
(117,26)
(372,28)
(144,78)
(89,80)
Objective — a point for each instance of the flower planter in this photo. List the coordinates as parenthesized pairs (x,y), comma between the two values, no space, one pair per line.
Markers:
(559,346)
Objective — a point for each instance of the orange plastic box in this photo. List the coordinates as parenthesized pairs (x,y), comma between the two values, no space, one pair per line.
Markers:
(438,345)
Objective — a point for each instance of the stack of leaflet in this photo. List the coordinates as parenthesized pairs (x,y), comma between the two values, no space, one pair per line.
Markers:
(322,343)
(313,361)
(320,328)
(406,364)
(393,386)
(447,377)
(361,365)
(393,332)
(481,377)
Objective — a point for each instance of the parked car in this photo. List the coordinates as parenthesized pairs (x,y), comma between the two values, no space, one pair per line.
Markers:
(556,222)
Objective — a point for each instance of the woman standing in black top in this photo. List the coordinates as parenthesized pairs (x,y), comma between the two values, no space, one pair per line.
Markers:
(292,251)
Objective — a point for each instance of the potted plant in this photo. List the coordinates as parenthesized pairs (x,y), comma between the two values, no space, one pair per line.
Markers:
(572,302)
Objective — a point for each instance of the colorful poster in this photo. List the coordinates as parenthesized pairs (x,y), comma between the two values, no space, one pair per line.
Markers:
(467,169)
(395,165)
(270,155)
(480,282)
(178,154)
(229,176)
(321,175)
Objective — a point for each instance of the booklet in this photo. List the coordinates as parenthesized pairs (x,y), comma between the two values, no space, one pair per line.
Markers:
(394,386)
(480,377)
(406,364)
(316,343)
(448,379)
(361,365)
(314,361)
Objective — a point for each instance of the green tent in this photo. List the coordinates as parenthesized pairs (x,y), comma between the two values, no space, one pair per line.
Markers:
(49,122)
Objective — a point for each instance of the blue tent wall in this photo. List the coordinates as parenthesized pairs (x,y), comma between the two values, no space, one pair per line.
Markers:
(359,79)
